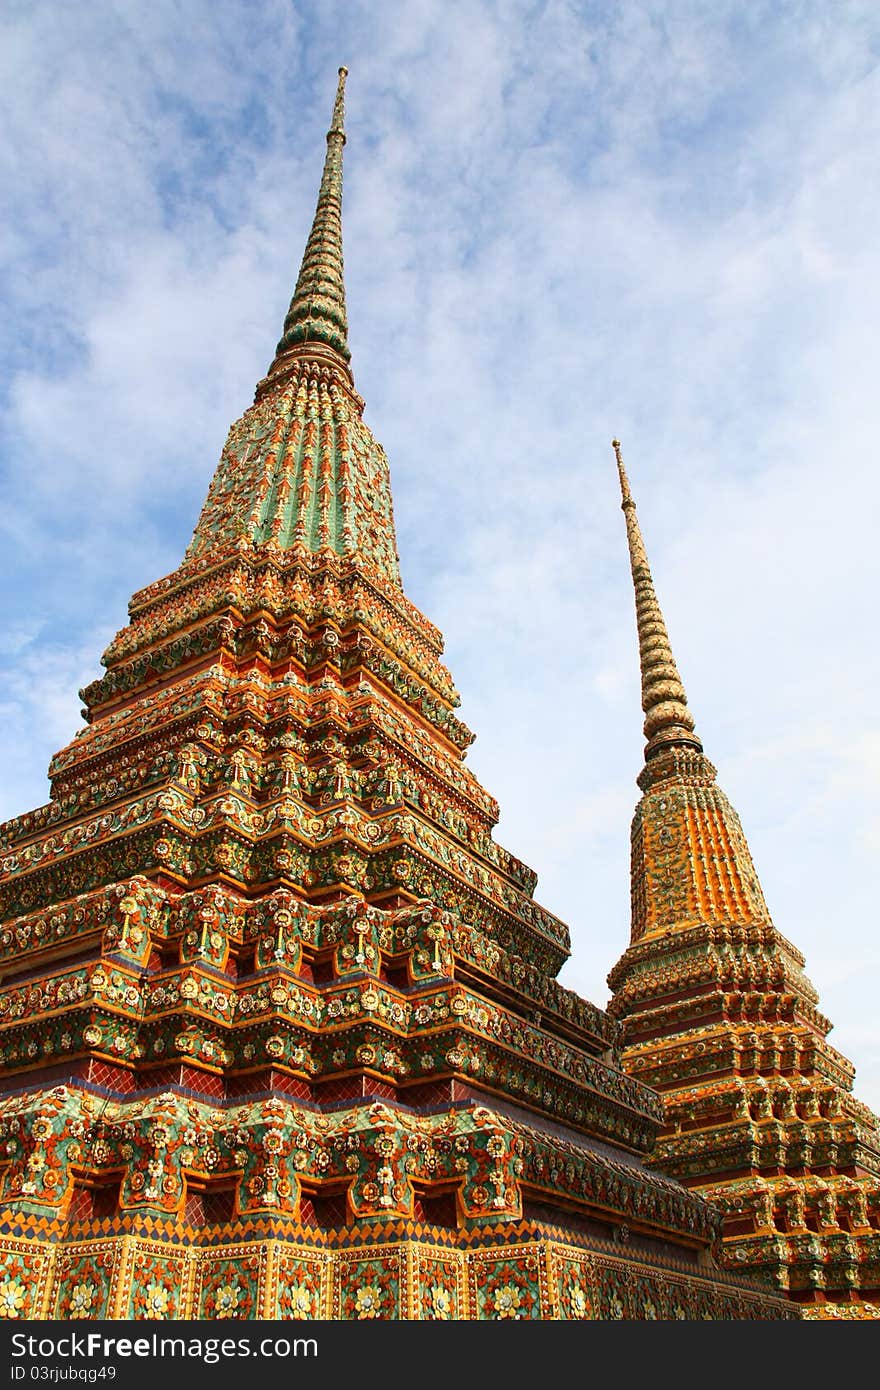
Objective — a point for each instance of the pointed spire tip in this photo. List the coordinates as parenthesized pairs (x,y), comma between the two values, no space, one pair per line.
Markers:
(316,324)
(624,480)
(337,124)
(668,721)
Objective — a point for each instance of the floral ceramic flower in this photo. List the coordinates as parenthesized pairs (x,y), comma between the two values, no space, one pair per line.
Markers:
(157,1298)
(508,1302)
(12,1296)
(300,1301)
(368,1302)
(441,1302)
(578,1299)
(82,1300)
(227,1300)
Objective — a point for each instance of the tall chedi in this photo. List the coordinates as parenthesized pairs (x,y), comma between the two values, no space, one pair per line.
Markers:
(719,1017)
(280,1033)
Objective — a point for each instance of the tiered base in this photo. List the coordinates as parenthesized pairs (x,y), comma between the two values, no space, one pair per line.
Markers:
(393,1270)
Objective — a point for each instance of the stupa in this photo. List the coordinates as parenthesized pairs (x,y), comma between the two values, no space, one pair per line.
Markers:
(720,1019)
(280,1029)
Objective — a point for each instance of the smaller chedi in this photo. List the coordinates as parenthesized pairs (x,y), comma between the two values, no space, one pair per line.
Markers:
(720,1019)
(280,1028)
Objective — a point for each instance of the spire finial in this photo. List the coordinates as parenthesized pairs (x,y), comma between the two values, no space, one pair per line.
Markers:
(337,125)
(624,480)
(668,721)
(316,324)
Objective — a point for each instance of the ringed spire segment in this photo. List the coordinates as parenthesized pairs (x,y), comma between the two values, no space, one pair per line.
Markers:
(316,324)
(668,721)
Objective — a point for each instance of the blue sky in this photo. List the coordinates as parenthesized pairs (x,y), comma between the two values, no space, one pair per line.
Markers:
(563,222)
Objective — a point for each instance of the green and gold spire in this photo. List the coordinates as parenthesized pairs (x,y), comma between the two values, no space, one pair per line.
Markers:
(301,474)
(668,721)
(316,318)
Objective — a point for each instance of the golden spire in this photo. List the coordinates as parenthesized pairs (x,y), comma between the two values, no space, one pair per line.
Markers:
(668,721)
